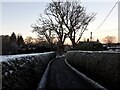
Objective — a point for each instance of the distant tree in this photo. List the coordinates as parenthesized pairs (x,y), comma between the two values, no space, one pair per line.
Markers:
(29,40)
(37,40)
(20,38)
(97,40)
(13,37)
(109,39)
(13,47)
(20,41)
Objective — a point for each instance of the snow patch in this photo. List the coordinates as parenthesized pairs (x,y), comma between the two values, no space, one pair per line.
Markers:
(5,58)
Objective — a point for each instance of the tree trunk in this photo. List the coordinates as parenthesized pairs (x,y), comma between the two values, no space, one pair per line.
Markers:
(61,47)
(73,42)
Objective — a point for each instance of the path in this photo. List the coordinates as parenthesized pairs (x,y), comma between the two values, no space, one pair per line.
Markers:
(61,76)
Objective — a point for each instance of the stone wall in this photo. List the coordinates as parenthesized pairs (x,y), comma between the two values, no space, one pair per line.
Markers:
(103,67)
(23,72)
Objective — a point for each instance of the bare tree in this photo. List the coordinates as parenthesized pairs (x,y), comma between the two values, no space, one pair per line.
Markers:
(29,40)
(109,39)
(51,30)
(72,16)
(64,19)
(46,29)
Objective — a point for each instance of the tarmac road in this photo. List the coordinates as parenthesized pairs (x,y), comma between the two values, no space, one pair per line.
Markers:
(62,77)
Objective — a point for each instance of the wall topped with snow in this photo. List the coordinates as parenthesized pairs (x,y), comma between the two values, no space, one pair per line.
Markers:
(23,72)
(101,66)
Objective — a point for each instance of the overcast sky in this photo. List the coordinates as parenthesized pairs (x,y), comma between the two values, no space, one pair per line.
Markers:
(19,16)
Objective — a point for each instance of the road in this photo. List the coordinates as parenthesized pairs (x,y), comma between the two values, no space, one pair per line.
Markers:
(61,76)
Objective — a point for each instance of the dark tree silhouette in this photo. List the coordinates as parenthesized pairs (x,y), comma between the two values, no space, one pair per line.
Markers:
(13,37)
(20,41)
(65,19)
(13,44)
(72,16)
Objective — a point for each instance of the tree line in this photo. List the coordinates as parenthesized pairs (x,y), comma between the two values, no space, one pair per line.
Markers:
(10,44)
(17,45)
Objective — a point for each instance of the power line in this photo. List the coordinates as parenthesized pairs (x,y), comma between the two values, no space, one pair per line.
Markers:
(107,16)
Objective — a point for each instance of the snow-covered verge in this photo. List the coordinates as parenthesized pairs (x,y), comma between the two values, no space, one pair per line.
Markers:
(101,66)
(23,72)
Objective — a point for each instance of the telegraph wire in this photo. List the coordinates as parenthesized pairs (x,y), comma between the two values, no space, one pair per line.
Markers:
(106,16)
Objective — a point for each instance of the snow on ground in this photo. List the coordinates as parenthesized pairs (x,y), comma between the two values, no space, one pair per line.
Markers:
(13,57)
(110,51)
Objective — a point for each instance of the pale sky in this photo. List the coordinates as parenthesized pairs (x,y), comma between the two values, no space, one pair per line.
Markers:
(19,16)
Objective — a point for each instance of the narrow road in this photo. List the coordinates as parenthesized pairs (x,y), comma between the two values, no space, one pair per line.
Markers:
(61,76)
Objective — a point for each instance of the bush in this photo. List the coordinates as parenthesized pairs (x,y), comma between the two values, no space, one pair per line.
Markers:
(89,46)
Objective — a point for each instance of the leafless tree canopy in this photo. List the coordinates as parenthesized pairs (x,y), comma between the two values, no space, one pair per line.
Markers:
(28,40)
(64,20)
(109,39)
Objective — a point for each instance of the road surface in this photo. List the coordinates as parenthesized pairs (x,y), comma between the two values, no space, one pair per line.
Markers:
(61,76)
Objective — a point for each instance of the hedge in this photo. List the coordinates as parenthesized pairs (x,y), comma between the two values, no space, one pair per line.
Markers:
(103,67)
(23,72)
